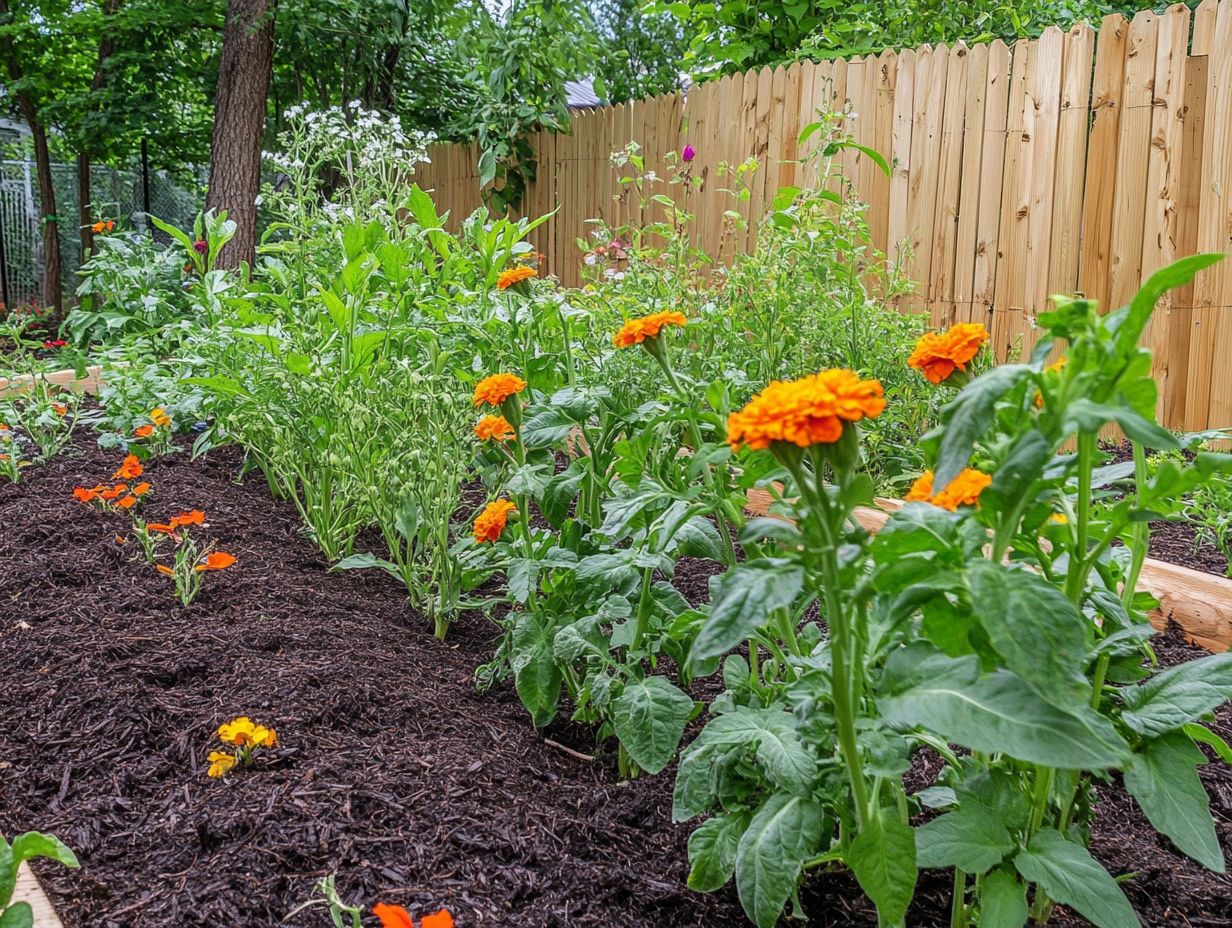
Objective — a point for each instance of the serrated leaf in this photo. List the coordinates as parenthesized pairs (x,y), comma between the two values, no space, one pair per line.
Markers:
(649,717)
(785,832)
(882,857)
(745,598)
(712,852)
(1178,695)
(972,838)
(536,675)
(1003,900)
(1070,875)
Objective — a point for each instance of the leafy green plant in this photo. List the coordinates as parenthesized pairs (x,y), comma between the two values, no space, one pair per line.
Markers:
(28,846)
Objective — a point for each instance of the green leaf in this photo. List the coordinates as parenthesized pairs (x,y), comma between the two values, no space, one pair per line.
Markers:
(559,494)
(1164,779)
(772,734)
(1203,735)
(1178,695)
(522,574)
(8,872)
(1003,900)
(365,561)
(1002,713)
(973,839)
(1037,631)
(536,675)
(649,718)
(882,857)
(34,844)
(18,915)
(1070,875)
(743,602)
(1176,274)
(698,538)
(969,415)
(712,852)
(1087,416)
(785,832)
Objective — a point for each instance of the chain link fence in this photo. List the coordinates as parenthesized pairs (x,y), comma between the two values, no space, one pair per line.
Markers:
(117,194)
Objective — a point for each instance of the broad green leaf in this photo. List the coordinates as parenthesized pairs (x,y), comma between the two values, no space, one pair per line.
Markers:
(699,538)
(649,718)
(1176,274)
(8,872)
(1071,876)
(745,598)
(1003,900)
(969,415)
(1203,735)
(610,569)
(1163,778)
(34,844)
(777,746)
(1087,416)
(18,915)
(785,832)
(535,674)
(712,852)
(1036,630)
(1002,713)
(882,857)
(365,561)
(1178,695)
(559,494)
(522,576)
(972,838)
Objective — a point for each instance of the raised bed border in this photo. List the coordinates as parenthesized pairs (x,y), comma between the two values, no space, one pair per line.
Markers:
(12,386)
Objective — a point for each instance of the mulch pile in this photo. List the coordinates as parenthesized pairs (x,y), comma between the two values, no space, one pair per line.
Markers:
(392,770)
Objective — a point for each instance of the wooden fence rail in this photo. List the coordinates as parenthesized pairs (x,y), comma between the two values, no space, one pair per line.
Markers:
(1078,162)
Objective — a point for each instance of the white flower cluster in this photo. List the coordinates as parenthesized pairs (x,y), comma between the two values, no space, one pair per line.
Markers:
(350,138)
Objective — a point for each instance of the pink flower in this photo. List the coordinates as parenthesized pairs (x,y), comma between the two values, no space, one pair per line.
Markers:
(688,154)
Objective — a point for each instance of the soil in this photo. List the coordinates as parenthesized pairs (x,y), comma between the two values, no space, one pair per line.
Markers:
(392,770)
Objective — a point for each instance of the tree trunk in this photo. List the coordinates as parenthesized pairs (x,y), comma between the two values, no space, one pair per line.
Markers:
(84,206)
(42,162)
(239,122)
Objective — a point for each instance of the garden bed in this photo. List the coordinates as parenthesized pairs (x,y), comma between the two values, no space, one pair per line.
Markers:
(392,769)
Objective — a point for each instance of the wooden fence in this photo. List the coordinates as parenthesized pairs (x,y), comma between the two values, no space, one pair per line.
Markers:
(1077,162)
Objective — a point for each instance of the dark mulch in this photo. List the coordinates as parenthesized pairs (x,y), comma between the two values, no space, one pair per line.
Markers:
(392,770)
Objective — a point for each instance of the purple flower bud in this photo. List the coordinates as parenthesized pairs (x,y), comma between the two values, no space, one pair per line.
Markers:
(200,246)
(688,154)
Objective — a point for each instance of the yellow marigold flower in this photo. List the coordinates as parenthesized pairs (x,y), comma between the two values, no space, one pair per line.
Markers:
(939,354)
(515,275)
(493,428)
(491,522)
(497,388)
(636,331)
(159,417)
(1053,368)
(220,763)
(243,732)
(963,490)
(1060,518)
(805,412)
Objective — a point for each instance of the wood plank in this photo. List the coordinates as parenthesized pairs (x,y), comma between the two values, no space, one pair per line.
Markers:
(1011,286)
(1066,237)
(1213,288)
(29,891)
(992,178)
(1163,192)
(945,215)
(793,123)
(774,135)
(1099,190)
(900,179)
(926,118)
(761,192)
(882,114)
(969,182)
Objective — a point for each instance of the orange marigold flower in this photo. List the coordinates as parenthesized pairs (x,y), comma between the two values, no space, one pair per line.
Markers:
(87,496)
(493,428)
(515,276)
(392,916)
(497,388)
(491,522)
(440,919)
(805,412)
(159,417)
(141,489)
(114,492)
(143,431)
(60,409)
(127,502)
(216,560)
(3,427)
(164,569)
(636,331)
(129,469)
(939,354)
(160,527)
(196,517)
(963,490)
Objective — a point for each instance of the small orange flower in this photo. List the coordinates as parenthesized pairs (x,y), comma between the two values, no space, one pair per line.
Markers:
(114,492)
(3,427)
(805,412)
(515,276)
(141,489)
(87,496)
(939,354)
(392,916)
(1054,368)
(121,540)
(243,731)
(60,409)
(159,417)
(491,522)
(440,919)
(127,502)
(963,490)
(163,569)
(493,428)
(160,527)
(636,331)
(143,431)
(497,388)
(129,469)
(196,517)
(216,560)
